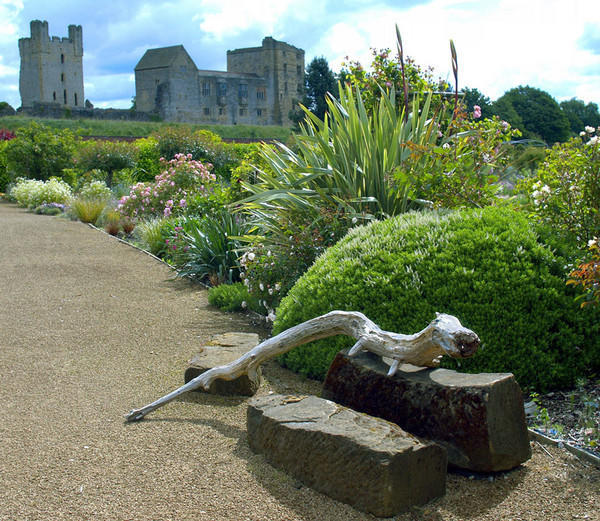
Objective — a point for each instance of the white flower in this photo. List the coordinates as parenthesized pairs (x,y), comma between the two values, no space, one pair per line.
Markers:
(592,242)
(593,140)
(244,304)
(277,286)
(590,130)
(261,286)
(246,282)
(271,316)
(536,194)
(354,219)
(582,133)
(269,253)
(251,256)
(270,291)
(545,189)
(446,145)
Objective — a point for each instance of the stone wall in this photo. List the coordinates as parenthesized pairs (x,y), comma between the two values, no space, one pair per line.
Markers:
(58,111)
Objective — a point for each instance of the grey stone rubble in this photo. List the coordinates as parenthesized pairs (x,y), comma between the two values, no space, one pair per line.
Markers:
(478,418)
(221,350)
(367,462)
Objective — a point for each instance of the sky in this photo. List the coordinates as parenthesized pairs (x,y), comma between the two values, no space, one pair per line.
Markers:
(553,45)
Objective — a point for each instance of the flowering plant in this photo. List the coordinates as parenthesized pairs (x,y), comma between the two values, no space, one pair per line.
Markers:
(587,275)
(565,192)
(461,168)
(31,193)
(181,177)
(6,135)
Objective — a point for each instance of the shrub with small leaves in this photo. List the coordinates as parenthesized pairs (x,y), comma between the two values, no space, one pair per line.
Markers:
(95,190)
(489,268)
(231,297)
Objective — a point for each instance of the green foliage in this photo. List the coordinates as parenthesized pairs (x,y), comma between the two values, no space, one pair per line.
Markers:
(462,169)
(207,249)
(153,233)
(473,97)
(230,297)
(565,191)
(580,115)
(39,152)
(319,80)
(87,210)
(97,127)
(148,155)
(487,267)
(31,193)
(108,156)
(5,179)
(385,73)
(587,275)
(182,176)
(95,190)
(534,112)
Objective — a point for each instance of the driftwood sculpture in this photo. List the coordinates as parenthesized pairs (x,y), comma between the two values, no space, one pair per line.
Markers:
(443,336)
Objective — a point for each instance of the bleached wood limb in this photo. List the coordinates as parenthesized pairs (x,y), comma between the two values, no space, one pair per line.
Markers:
(443,336)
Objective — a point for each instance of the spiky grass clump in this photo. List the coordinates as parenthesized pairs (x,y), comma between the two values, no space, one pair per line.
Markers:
(88,210)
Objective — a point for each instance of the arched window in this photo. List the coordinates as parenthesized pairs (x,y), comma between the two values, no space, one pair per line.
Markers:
(75,97)
(62,58)
(65,96)
(54,95)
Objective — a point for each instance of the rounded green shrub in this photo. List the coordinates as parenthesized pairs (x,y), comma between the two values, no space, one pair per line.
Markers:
(231,297)
(489,267)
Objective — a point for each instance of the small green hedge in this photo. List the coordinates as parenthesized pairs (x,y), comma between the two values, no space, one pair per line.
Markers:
(487,267)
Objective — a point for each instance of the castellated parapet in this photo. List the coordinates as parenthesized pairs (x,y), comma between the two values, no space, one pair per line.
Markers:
(51,68)
(260,87)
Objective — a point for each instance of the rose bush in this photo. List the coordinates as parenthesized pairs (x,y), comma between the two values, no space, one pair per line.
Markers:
(182,176)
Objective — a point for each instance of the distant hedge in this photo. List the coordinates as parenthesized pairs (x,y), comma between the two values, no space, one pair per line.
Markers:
(491,268)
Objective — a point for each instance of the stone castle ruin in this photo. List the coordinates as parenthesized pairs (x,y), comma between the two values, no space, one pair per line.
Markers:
(51,69)
(260,87)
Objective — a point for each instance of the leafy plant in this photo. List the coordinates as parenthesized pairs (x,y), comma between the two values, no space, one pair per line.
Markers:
(168,195)
(108,156)
(95,190)
(153,233)
(208,249)
(39,152)
(231,297)
(565,192)
(88,210)
(587,275)
(488,267)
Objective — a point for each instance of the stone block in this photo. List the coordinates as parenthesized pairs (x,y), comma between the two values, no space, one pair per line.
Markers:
(367,462)
(478,418)
(221,350)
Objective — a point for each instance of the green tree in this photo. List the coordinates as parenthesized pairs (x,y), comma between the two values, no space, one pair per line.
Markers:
(535,113)
(580,115)
(472,97)
(320,80)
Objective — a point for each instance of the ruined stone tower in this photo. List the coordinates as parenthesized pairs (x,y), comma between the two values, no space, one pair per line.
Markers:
(51,69)
(260,87)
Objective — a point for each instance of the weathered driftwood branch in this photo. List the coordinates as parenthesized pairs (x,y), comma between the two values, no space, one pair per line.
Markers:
(443,336)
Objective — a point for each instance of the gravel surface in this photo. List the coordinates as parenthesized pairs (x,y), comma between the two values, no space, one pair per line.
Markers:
(90,328)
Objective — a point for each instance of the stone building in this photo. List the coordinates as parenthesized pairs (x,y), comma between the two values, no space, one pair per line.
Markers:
(260,87)
(51,69)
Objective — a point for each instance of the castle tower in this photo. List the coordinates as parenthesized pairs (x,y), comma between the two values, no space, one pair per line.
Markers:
(51,69)
(282,66)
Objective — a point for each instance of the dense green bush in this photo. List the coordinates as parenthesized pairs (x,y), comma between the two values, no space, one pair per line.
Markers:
(108,156)
(231,297)
(95,190)
(487,267)
(38,152)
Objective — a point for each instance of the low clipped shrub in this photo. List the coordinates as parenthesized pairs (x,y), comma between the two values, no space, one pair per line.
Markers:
(231,297)
(489,267)
(31,193)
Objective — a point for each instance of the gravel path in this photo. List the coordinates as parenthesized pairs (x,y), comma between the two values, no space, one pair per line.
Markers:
(90,328)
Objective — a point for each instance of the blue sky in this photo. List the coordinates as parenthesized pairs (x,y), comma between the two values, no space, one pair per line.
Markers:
(549,44)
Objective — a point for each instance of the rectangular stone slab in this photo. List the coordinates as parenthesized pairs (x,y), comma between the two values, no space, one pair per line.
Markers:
(478,418)
(366,462)
(222,350)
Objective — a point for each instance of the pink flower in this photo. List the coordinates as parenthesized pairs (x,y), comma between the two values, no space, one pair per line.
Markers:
(167,211)
(182,203)
(476,111)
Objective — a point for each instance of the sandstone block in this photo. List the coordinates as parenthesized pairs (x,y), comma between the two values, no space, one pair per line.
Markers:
(478,418)
(222,350)
(366,462)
